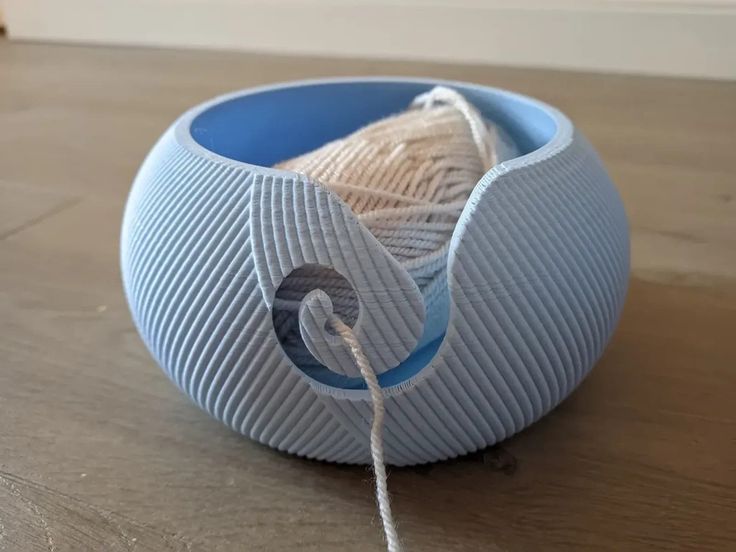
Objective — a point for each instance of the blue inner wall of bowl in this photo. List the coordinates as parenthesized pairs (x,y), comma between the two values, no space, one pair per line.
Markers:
(267,127)
(264,128)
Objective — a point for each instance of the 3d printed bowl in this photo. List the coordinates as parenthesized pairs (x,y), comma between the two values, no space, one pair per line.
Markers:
(536,276)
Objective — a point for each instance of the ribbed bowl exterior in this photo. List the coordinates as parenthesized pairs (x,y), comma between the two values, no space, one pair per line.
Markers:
(537,277)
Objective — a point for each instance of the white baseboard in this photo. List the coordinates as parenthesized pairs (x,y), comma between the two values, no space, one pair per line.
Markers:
(676,37)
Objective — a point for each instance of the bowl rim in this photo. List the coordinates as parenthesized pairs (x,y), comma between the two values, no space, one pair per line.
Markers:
(560,139)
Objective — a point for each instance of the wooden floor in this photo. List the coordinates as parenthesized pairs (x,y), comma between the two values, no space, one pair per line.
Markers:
(99,451)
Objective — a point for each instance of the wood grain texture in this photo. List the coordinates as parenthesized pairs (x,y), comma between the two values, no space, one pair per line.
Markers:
(99,451)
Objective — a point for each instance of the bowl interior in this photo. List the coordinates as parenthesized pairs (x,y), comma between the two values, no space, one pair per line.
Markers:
(274,124)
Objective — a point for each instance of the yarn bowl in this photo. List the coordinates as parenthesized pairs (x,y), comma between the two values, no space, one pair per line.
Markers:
(537,274)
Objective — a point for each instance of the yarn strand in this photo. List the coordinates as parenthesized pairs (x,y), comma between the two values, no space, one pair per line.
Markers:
(407,179)
(379,465)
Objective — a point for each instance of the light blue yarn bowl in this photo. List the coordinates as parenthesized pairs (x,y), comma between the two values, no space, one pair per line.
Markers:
(536,276)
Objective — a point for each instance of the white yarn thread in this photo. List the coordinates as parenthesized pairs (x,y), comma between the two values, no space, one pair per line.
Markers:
(478,127)
(407,178)
(379,466)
